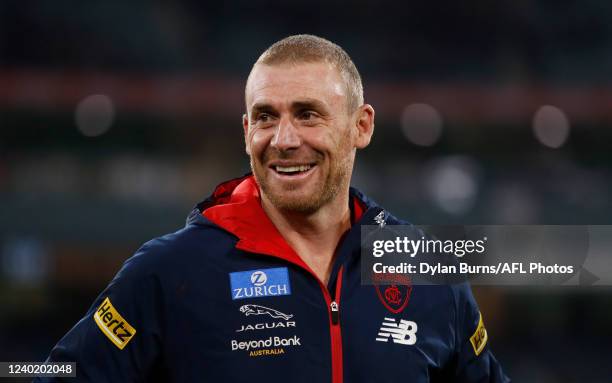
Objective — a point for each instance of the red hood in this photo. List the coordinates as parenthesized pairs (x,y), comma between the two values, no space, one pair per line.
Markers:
(236,207)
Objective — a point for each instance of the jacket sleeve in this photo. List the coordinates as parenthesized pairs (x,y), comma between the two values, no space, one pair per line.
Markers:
(475,360)
(119,338)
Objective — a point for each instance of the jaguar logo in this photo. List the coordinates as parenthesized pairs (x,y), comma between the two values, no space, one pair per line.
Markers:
(262,310)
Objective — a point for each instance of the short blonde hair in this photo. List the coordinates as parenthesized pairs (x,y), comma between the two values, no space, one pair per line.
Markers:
(310,49)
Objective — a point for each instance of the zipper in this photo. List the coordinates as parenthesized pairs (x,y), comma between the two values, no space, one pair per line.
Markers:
(335,315)
(335,330)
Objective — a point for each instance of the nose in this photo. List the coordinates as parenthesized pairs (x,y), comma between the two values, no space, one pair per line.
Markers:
(286,136)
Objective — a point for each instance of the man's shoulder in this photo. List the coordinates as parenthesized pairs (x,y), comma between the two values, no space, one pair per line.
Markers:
(190,245)
(192,237)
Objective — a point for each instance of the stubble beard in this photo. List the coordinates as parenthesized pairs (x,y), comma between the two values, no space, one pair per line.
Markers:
(324,191)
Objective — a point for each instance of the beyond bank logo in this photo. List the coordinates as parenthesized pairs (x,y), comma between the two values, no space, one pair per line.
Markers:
(260,283)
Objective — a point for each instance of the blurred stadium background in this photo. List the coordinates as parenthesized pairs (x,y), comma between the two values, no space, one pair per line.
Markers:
(117,117)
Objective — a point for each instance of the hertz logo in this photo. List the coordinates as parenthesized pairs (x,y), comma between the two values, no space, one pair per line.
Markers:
(479,339)
(112,324)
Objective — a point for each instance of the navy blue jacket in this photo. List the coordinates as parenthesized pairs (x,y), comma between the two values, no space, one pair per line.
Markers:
(225,299)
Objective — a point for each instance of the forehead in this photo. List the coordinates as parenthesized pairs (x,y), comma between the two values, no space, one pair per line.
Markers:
(287,82)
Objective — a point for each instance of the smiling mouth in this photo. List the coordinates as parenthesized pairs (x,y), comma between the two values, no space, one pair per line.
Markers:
(289,170)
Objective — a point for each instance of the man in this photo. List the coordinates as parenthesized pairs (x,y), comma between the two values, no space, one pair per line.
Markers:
(263,283)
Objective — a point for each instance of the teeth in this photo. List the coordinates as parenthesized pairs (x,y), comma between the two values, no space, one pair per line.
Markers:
(292,169)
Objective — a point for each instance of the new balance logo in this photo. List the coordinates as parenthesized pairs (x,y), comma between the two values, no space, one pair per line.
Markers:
(403,332)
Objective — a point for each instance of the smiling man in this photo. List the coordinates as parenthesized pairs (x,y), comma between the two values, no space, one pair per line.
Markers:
(263,283)
(305,120)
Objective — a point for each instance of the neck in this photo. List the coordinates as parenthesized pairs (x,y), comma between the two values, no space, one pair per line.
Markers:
(314,236)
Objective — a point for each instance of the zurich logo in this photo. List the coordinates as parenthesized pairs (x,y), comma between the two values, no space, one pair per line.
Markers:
(259,278)
(260,283)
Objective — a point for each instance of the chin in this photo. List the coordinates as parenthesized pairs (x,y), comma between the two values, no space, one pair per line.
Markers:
(294,200)
(297,206)
(299,197)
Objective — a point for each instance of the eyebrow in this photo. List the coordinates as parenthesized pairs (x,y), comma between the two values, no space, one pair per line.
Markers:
(307,103)
(261,107)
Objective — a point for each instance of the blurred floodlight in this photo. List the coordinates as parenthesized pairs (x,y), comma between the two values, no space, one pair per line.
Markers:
(143,179)
(551,126)
(24,261)
(513,204)
(452,184)
(94,115)
(421,124)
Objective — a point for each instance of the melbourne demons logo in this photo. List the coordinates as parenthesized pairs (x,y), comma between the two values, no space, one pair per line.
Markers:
(393,291)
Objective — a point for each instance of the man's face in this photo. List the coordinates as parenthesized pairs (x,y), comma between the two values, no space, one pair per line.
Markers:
(299,134)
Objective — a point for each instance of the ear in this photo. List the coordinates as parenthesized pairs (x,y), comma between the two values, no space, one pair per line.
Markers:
(364,123)
(245,126)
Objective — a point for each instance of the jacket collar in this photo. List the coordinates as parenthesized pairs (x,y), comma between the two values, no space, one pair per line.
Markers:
(235,206)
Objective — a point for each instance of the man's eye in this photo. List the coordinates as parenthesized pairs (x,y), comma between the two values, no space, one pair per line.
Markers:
(307,115)
(263,117)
